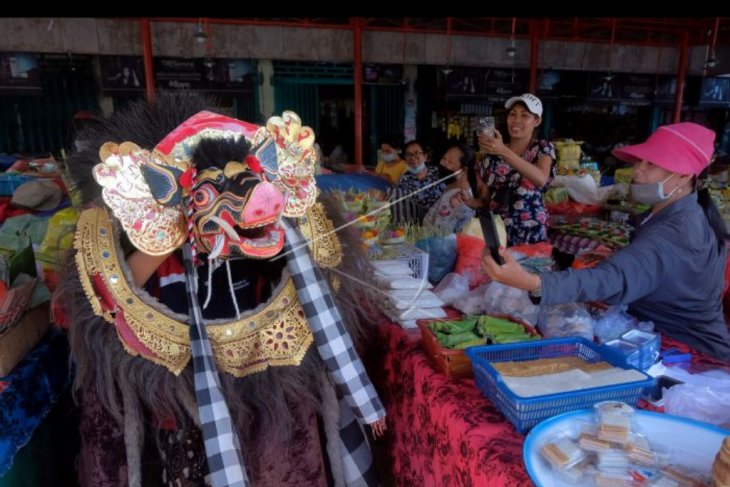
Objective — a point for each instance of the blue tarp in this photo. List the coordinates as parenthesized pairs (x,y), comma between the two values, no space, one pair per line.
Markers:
(355,181)
(28,393)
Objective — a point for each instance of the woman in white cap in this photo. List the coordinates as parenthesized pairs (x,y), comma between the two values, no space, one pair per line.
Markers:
(672,273)
(515,174)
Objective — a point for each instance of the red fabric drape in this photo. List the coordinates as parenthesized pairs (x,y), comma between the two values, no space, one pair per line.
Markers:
(441,432)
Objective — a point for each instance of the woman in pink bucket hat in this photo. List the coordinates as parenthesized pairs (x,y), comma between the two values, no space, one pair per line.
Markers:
(672,272)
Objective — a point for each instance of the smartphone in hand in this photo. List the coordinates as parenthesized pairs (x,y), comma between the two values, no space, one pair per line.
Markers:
(491,237)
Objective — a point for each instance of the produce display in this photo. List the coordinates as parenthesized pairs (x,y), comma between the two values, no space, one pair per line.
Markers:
(588,234)
(475,330)
(393,234)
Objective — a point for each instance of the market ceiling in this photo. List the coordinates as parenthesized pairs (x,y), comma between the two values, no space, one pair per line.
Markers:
(620,30)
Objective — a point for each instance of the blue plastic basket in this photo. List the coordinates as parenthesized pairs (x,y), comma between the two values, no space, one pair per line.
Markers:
(526,412)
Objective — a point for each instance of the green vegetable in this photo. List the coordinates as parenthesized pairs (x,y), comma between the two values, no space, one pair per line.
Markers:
(452,340)
(470,343)
(454,327)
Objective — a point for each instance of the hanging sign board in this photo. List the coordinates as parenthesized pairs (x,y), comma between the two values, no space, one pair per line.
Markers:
(122,74)
(19,73)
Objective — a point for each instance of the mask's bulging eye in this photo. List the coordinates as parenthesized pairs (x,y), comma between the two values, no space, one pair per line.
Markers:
(201,197)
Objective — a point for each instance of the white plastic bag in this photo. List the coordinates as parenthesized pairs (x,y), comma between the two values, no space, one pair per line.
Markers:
(566,320)
(452,287)
(613,323)
(506,300)
(583,189)
(704,397)
(473,302)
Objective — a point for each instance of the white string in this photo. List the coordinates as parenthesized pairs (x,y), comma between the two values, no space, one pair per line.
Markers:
(210,283)
(230,288)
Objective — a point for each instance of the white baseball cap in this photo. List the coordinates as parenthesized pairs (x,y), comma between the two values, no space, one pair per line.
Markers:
(533,103)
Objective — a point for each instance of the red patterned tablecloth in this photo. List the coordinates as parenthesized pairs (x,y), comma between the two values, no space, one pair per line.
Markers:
(442,432)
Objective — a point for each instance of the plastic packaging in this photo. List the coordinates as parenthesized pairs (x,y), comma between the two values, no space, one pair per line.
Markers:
(501,299)
(442,255)
(472,303)
(613,479)
(704,397)
(614,421)
(562,452)
(612,323)
(565,320)
(452,287)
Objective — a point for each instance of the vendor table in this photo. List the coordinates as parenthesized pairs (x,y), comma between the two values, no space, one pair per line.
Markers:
(443,432)
(27,396)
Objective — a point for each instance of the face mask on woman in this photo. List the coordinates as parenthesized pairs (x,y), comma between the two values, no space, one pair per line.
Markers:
(445,172)
(651,193)
(416,170)
(388,156)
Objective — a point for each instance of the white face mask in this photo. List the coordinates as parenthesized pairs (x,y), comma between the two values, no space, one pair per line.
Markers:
(416,170)
(388,156)
(651,193)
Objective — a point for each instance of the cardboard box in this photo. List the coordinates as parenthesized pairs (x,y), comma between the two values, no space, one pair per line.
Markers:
(20,339)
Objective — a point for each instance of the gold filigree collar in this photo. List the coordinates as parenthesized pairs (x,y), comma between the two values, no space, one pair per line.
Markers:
(274,334)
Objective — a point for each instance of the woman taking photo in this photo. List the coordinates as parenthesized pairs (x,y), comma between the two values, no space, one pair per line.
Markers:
(515,174)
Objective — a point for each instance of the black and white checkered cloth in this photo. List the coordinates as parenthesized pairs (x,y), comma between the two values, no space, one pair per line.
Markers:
(222,448)
(337,350)
(357,459)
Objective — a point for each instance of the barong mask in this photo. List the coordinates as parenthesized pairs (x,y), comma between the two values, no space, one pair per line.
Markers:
(161,199)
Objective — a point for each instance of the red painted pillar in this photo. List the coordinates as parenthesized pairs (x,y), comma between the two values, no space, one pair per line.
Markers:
(681,75)
(357,61)
(149,68)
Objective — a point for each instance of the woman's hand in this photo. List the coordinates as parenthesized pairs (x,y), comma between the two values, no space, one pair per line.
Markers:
(464,197)
(510,273)
(492,145)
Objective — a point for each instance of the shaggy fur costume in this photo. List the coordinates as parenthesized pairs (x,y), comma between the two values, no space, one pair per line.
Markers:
(281,414)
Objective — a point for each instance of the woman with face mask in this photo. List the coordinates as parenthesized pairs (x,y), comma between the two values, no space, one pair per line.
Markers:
(418,188)
(449,213)
(672,273)
(390,166)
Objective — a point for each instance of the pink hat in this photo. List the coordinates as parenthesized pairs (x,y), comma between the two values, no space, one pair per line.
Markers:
(682,148)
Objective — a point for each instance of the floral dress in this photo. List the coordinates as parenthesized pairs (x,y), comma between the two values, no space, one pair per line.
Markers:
(413,208)
(514,197)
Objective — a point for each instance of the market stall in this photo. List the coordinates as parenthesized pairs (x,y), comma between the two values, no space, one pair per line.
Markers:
(443,431)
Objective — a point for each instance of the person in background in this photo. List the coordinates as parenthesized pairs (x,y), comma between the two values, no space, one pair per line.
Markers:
(672,273)
(450,213)
(514,176)
(418,188)
(390,165)
(338,156)
(319,162)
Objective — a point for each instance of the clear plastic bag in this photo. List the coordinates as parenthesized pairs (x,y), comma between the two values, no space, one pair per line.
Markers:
(501,299)
(612,323)
(473,302)
(442,255)
(565,320)
(452,287)
(704,397)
